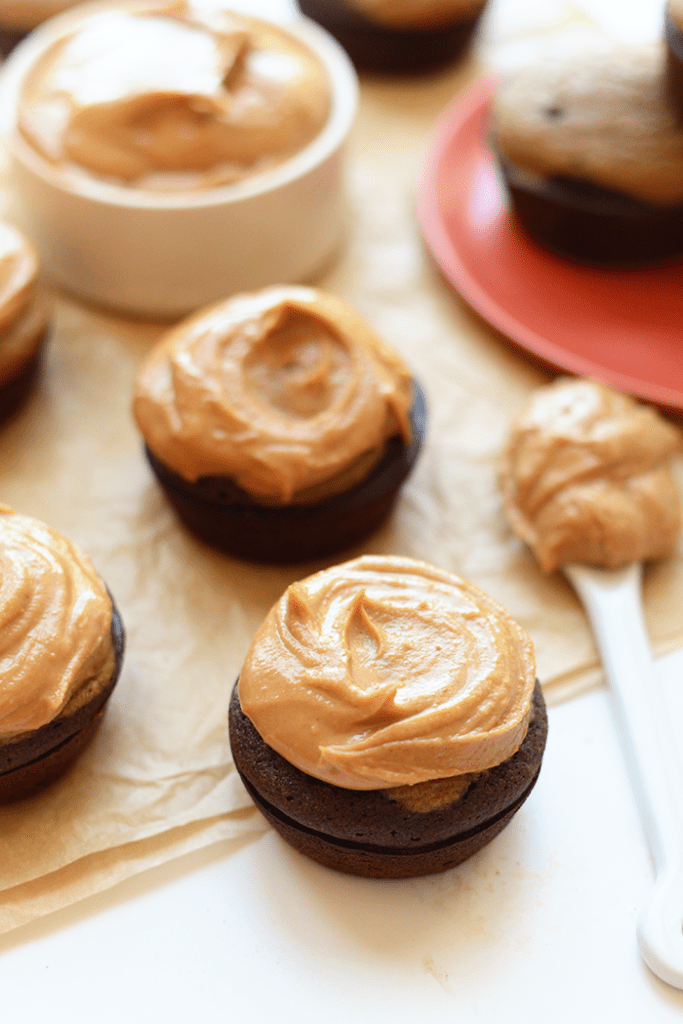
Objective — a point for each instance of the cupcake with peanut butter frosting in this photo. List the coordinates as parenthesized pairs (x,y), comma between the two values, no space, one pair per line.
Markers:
(387,720)
(592,153)
(61,647)
(24,318)
(172,98)
(400,36)
(278,423)
(587,478)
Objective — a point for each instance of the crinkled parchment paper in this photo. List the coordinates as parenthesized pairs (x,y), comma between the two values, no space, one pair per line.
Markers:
(158,781)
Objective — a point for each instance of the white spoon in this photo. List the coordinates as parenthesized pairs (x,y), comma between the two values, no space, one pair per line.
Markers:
(613,604)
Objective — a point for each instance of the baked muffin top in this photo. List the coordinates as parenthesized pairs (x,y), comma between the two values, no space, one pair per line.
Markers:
(586,477)
(287,391)
(416,14)
(385,671)
(55,622)
(172,98)
(602,118)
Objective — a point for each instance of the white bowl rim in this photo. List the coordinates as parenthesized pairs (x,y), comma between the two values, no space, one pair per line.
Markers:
(344,105)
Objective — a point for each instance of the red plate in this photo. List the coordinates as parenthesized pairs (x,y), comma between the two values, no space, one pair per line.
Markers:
(622,326)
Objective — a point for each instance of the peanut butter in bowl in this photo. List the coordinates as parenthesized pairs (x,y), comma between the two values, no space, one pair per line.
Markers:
(164,156)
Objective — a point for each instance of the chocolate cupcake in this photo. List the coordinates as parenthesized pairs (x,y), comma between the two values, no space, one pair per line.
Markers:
(398,36)
(62,643)
(591,152)
(24,319)
(586,477)
(279,425)
(387,721)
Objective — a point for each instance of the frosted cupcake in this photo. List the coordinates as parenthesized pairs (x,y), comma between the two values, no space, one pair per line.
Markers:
(280,426)
(61,648)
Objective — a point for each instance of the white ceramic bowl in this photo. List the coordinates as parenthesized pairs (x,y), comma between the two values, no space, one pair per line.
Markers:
(165,255)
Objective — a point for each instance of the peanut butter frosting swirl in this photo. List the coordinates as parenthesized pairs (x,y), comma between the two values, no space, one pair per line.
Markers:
(173,98)
(416,14)
(55,620)
(385,671)
(602,118)
(586,477)
(287,391)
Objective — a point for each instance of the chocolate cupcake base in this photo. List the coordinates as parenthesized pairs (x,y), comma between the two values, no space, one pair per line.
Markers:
(16,389)
(381,833)
(592,224)
(225,516)
(374,47)
(37,758)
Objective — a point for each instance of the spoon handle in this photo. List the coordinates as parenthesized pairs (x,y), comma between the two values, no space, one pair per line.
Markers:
(613,604)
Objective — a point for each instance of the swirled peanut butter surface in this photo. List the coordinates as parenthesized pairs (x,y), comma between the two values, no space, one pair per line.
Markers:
(416,14)
(586,477)
(55,619)
(23,310)
(287,391)
(384,672)
(601,118)
(173,98)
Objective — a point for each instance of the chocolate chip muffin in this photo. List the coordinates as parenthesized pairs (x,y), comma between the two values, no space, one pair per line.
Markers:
(591,152)
(398,36)
(62,641)
(386,720)
(279,425)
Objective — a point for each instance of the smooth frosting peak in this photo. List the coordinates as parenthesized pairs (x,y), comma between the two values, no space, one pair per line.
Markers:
(173,98)
(284,390)
(586,477)
(385,671)
(55,620)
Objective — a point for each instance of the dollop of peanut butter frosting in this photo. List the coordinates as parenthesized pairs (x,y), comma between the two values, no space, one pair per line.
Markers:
(173,98)
(416,14)
(55,620)
(288,391)
(385,671)
(586,477)
(602,118)
(24,312)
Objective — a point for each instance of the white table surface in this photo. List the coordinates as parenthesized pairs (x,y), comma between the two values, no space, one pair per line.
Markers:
(541,922)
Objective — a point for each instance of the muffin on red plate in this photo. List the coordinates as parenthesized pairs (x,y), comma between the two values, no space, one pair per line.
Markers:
(591,151)
(398,36)
(280,426)
(61,648)
(387,721)
(24,319)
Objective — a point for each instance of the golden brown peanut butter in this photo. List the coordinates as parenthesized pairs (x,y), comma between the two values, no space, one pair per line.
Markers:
(384,672)
(416,14)
(601,118)
(287,391)
(586,477)
(55,620)
(24,312)
(173,98)
(23,15)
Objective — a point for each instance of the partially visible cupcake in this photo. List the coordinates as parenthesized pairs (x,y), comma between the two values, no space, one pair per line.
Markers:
(592,154)
(586,477)
(24,318)
(673,32)
(386,720)
(61,648)
(399,36)
(279,424)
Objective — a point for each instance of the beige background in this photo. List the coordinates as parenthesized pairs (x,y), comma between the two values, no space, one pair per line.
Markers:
(159,781)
